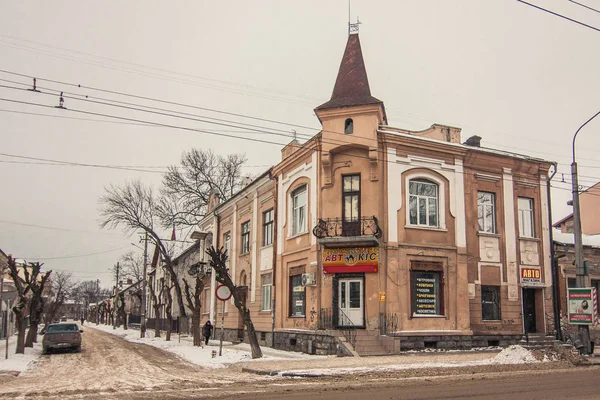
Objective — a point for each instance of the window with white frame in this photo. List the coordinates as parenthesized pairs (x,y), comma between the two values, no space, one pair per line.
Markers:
(486,212)
(267,285)
(526,226)
(268,227)
(423,203)
(299,197)
(245,238)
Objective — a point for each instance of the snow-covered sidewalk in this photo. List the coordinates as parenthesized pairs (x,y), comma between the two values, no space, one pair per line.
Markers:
(203,356)
(18,362)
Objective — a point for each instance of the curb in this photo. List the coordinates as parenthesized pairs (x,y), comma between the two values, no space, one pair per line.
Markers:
(279,373)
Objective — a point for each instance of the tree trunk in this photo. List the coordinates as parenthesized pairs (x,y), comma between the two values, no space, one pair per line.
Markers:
(20,325)
(32,334)
(256,351)
(196,317)
(169,326)
(156,321)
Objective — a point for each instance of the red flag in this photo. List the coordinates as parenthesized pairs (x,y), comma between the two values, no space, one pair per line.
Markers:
(173,234)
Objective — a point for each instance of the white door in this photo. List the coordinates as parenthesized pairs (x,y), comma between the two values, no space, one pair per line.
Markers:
(350,302)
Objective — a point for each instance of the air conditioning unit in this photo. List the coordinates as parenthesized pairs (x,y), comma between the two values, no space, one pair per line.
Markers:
(308,279)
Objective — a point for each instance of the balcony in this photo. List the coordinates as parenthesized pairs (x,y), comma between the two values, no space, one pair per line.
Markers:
(336,232)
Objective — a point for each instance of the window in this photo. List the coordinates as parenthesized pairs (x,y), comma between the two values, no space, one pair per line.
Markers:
(227,245)
(526,217)
(268,227)
(297,296)
(351,205)
(349,126)
(486,212)
(266,292)
(245,237)
(490,303)
(299,210)
(423,203)
(426,293)
(206,301)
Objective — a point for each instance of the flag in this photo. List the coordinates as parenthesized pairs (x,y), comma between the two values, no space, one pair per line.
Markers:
(173,234)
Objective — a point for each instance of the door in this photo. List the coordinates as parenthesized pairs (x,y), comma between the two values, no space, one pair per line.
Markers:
(351,205)
(529,310)
(350,302)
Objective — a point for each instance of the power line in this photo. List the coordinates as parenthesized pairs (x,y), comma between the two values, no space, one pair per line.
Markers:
(56,229)
(72,256)
(559,15)
(585,6)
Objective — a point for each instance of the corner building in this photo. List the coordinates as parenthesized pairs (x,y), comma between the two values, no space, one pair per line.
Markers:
(369,239)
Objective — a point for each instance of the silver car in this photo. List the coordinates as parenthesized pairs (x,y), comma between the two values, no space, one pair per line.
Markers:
(61,336)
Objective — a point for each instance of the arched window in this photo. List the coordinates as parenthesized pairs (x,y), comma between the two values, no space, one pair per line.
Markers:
(349,126)
(423,203)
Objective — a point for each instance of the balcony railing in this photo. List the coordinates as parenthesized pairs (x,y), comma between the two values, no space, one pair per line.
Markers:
(338,227)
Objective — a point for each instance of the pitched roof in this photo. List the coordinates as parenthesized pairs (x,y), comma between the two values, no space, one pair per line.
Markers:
(352,85)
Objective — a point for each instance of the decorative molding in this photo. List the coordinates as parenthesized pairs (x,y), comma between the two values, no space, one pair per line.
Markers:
(244,211)
(526,184)
(266,197)
(487,178)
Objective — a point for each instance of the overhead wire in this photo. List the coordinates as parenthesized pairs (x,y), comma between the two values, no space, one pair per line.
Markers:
(559,15)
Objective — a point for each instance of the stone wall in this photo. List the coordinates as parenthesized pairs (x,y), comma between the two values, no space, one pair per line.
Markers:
(456,342)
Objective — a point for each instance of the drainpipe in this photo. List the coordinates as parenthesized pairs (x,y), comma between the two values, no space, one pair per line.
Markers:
(554,263)
(274,264)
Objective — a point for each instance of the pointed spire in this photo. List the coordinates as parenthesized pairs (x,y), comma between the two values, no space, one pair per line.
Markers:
(352,85)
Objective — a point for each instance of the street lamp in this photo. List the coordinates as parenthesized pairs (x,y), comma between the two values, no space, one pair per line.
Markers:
(581,273)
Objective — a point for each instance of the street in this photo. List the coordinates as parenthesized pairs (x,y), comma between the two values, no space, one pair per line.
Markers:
(110,367)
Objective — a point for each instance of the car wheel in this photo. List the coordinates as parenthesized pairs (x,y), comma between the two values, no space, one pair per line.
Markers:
(78,349)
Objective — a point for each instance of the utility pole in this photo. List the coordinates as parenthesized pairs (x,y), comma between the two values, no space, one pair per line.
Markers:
(144,284)
(580,270)
(2,312)
(115,313)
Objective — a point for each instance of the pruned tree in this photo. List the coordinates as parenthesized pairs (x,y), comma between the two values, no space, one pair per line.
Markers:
(134,206)
(132,266)
(168,307)
(187,188)
(194,302)
(120,310)
(61,286)
(157,301)
(23,285)
(218,262)
(36,305)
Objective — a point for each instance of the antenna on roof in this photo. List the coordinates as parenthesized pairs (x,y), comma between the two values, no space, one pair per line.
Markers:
(352,28)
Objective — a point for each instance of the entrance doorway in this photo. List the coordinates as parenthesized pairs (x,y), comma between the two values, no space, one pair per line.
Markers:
(529,311)
(351,302)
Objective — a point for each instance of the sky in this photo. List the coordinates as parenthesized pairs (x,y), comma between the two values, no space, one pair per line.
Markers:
(521,78)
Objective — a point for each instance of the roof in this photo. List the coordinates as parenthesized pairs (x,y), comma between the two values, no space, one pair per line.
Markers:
(352,85)
(565,219)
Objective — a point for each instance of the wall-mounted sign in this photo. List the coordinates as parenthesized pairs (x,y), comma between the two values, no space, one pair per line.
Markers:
(352,259)
(382,297)
(582,306)
(426,296)
(531,276)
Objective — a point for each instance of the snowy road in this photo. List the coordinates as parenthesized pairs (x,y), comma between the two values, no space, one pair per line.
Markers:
(110,367)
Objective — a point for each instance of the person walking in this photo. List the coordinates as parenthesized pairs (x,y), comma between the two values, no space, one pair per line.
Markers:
(82,319)
(206,331)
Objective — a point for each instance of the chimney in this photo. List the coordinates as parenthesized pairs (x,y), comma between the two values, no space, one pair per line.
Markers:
(474,141)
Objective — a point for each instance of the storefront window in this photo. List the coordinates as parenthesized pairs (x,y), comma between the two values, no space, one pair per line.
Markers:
(297,297)
(426,291)
(490,303)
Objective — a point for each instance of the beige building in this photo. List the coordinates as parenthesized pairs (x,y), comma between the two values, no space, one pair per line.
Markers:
(374,239)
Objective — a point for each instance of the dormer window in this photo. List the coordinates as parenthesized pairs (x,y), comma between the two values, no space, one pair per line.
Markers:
(349,126)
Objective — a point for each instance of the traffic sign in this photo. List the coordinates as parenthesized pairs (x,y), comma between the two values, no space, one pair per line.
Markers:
(223,293)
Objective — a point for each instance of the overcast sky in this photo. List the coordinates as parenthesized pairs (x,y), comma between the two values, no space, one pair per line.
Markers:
(522,79)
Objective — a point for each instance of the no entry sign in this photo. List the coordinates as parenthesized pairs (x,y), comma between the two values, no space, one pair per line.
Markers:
(223,293)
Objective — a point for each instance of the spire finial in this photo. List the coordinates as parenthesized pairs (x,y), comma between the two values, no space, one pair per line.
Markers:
(353,28)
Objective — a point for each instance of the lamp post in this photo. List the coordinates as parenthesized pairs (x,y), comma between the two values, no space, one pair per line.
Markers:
(581,273)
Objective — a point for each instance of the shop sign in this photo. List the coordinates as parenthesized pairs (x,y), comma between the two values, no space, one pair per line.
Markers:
(426,293)
(352,259)
(531,276)
(582,306)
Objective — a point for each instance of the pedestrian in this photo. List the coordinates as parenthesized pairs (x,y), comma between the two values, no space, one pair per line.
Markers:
(206,331)
(82,319)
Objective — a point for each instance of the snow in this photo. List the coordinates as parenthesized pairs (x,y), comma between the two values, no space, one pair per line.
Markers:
(184,348)
(514,355)
(18,362)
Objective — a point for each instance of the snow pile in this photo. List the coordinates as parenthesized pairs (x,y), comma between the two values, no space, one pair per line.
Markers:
(514,355)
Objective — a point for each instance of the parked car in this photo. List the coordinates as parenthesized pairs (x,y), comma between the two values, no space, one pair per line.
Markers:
(63,319)
(61,336)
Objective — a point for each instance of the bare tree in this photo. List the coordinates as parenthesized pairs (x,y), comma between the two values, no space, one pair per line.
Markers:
(36,305)
(168,306)
(132,266)
(194,301)
(157,302)
(134,206)
(23,284)
(218,259)
(61,286)
(187,188)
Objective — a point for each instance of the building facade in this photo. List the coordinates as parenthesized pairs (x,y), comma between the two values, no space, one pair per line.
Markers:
(373,239)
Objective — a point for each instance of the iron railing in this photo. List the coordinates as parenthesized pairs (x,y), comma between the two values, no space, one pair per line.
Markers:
(338,227)
(388,323)
(327,320)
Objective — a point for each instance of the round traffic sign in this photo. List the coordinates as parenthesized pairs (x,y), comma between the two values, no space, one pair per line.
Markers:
(223,293)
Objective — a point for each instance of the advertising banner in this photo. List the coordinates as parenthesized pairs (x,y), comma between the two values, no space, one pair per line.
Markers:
(581,303)
(351,259)
(531,276)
